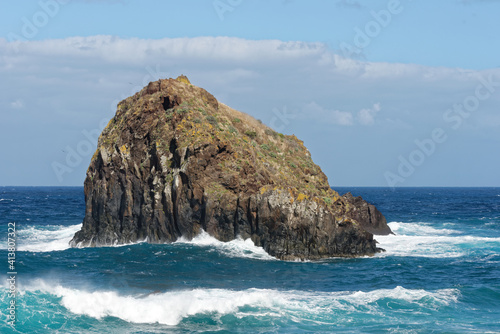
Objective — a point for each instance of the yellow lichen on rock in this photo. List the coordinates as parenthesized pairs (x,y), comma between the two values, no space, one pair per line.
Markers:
(173,153)
(184,79)
(302,197)
(124,149)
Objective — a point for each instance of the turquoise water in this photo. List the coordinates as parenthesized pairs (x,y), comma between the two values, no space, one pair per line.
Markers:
(440,274)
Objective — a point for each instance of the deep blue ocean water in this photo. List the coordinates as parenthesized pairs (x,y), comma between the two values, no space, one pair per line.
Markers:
(440,274)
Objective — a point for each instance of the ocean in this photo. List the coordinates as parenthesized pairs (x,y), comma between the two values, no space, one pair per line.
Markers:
(440,273)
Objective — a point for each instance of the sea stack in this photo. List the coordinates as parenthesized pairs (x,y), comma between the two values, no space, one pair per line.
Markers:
(174,161)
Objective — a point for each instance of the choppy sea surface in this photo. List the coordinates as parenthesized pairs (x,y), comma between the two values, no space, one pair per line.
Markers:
(440,274)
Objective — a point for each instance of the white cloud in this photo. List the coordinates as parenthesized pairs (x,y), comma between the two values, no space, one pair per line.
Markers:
(132,51)
(367,116)
(17,104)
(224,51)
(278,71)
(337,117)
(72,84)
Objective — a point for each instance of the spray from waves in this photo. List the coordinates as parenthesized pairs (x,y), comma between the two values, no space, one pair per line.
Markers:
(422,240)
(170,308)
(237,248)
(419,229)
(234,248)
(115,244)
(56,238)
(47,238)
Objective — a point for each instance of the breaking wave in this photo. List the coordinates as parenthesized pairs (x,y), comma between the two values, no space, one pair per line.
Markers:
(170,308)
(422,240)
(234,248)
(44,238)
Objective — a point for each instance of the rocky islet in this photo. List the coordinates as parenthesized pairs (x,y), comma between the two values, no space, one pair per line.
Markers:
(174,161)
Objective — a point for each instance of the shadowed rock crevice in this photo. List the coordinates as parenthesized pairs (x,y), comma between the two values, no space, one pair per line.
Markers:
(174,161)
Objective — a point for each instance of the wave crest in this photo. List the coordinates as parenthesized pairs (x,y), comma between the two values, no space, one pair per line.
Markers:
(44,238)
(171,307)
(234,248)
(422,240)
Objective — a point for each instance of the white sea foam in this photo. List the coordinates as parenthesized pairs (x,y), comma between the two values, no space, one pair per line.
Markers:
(420,229)
(419,296)
(44,238)
(172,307)
(234,248)
(422,240)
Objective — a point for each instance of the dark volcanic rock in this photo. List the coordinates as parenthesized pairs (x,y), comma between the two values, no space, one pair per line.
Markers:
(174,161)
(367,215)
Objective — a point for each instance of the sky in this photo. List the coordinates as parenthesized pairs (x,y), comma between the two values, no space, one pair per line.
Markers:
(391,93)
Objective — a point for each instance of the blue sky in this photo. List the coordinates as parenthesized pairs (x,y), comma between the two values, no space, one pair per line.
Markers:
(384,93)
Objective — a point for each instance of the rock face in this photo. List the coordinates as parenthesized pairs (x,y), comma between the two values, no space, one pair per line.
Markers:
(174,161)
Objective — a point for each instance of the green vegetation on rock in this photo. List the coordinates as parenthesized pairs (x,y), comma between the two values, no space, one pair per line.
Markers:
(174,160)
